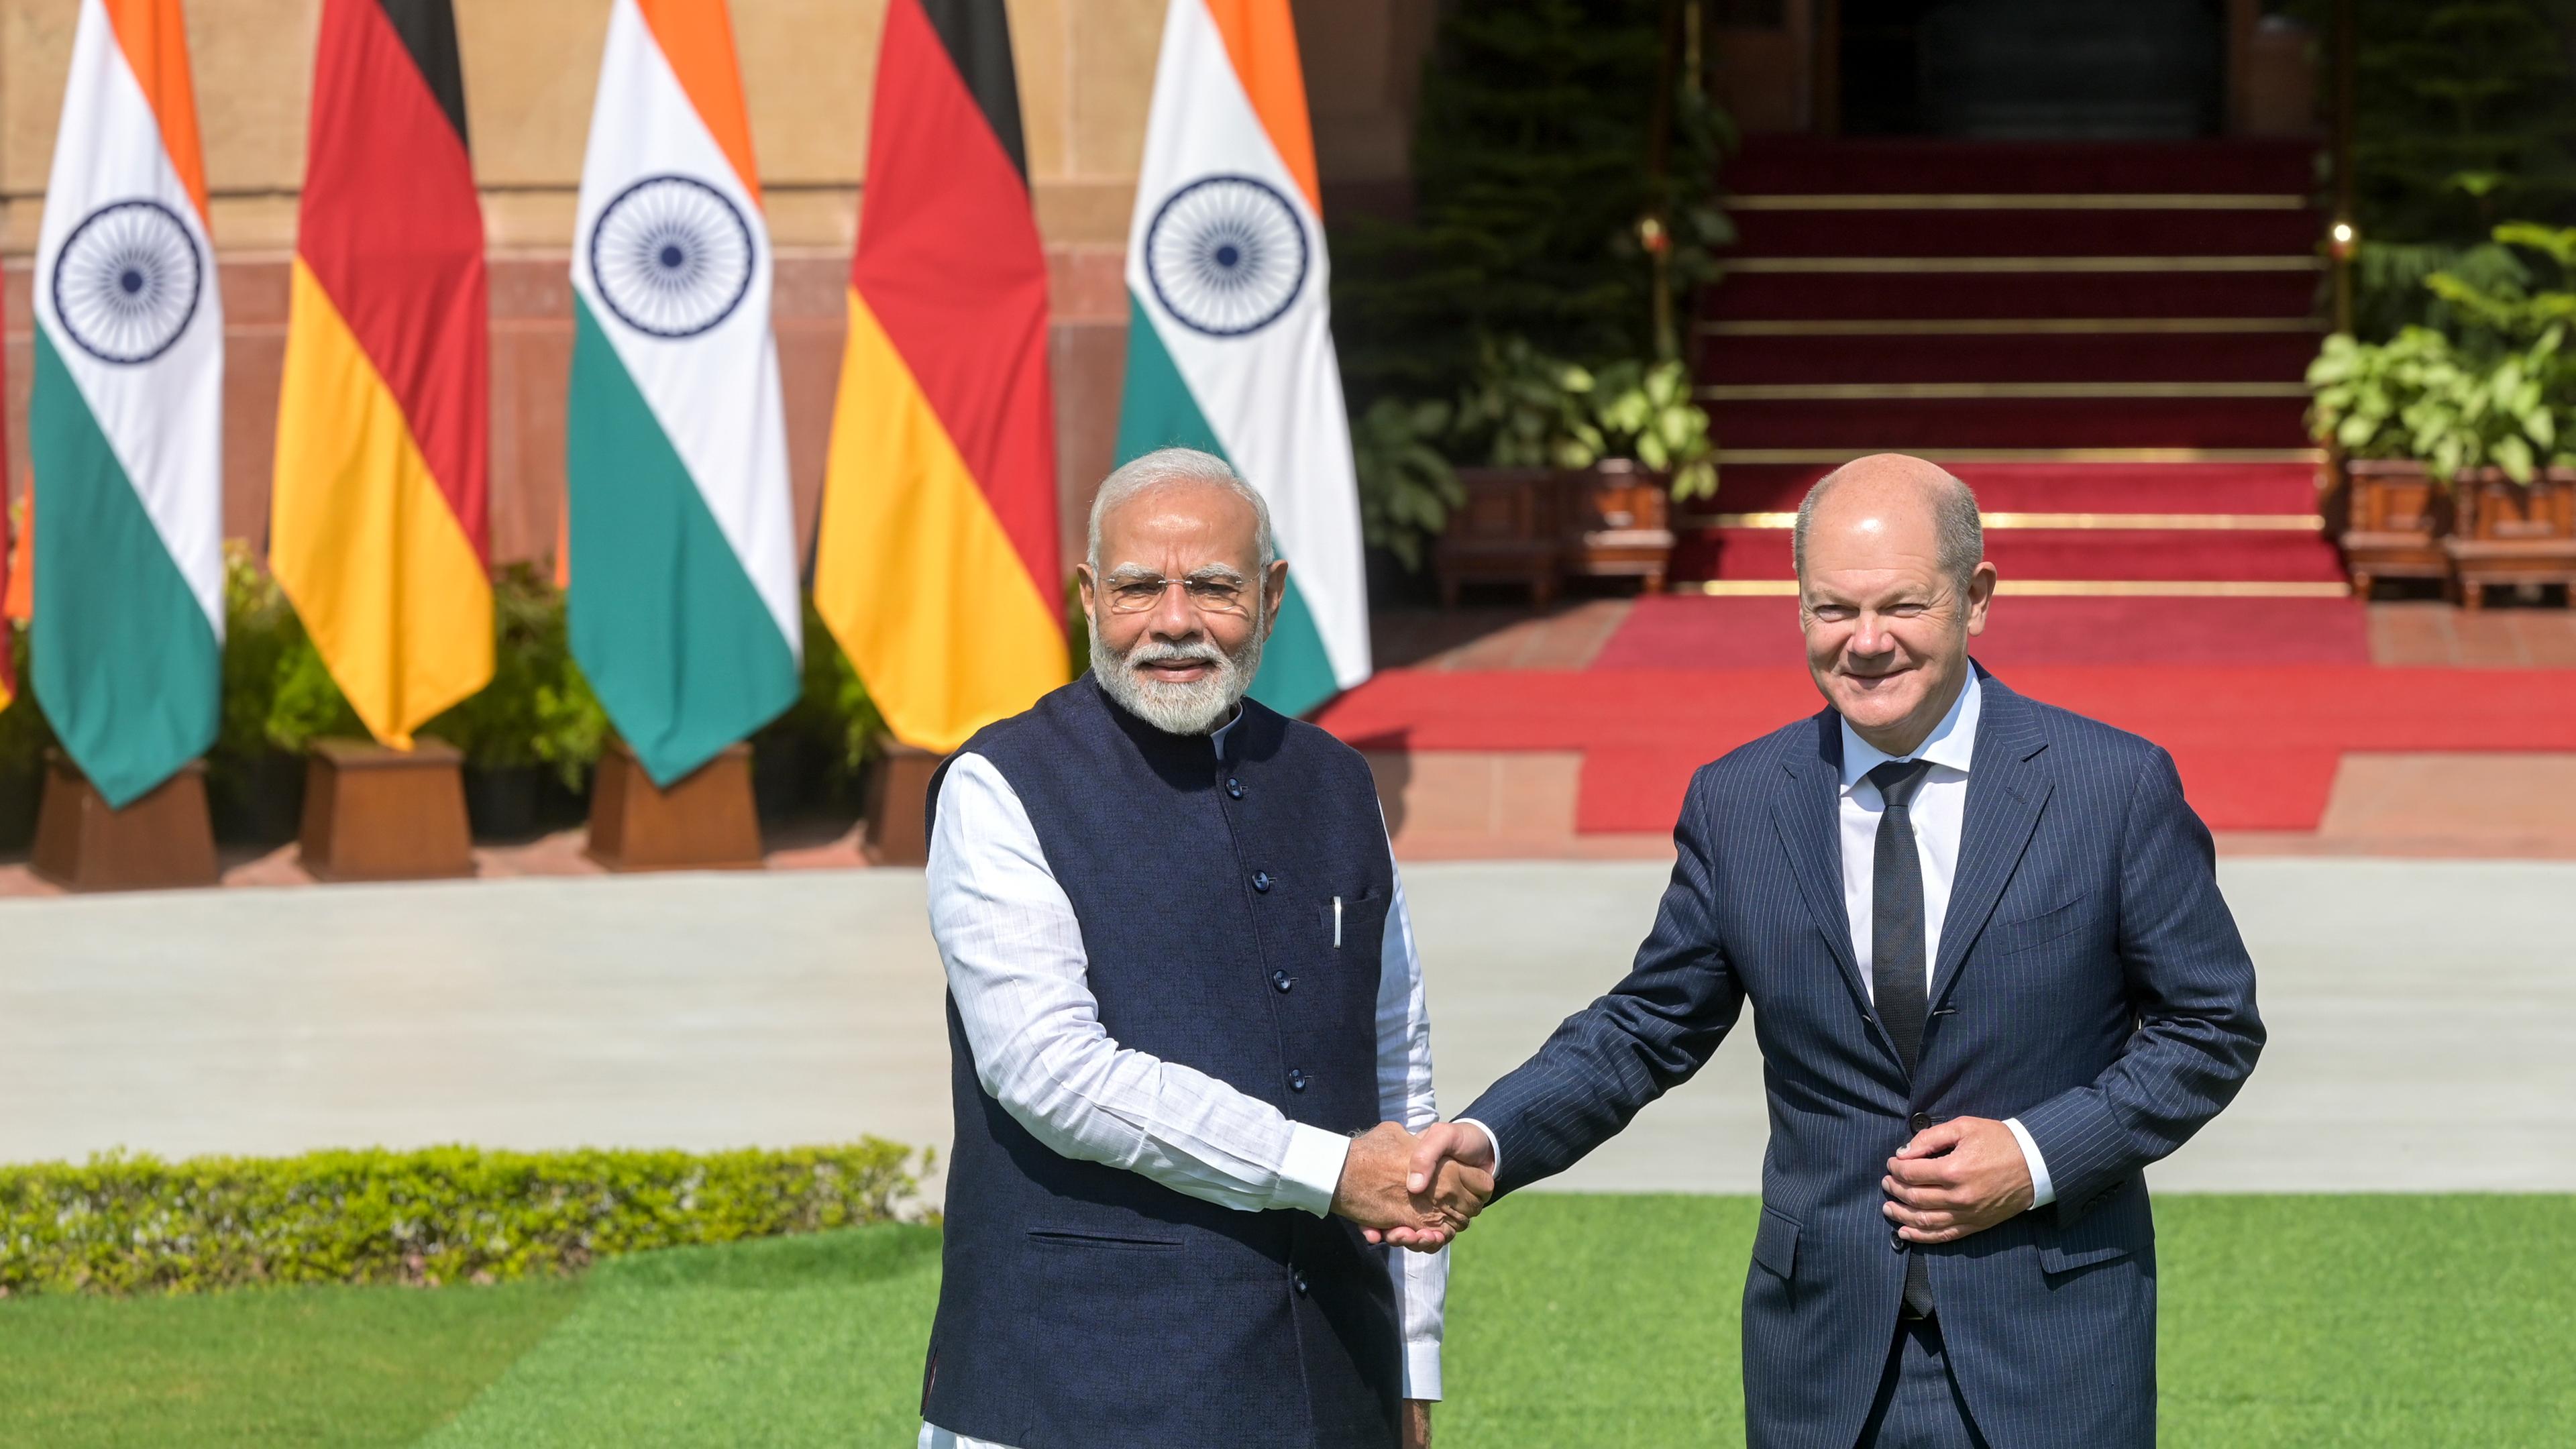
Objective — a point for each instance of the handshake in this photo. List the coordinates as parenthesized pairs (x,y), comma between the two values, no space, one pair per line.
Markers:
(1416,1191)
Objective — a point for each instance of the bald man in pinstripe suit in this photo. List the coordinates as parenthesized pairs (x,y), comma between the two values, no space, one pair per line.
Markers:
(1993,979)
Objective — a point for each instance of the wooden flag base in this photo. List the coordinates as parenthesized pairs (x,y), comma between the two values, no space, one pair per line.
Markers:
(373,813)
(706,820)
(897,833)
(162,841)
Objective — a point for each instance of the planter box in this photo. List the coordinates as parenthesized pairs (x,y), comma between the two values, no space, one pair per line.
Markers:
(258,800)
(704,821)
(372,813)
(2397,517)
(158,842)
(501,801)
(1617,524)
(898,797)
(1508,531)
(2507,533)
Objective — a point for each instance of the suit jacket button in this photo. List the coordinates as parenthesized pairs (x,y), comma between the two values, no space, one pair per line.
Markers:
(1234,787)
(1300,1281)
(1920,1121)
(1896,1240)
(1261,881)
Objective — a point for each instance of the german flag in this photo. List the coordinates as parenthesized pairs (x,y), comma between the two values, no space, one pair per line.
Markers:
(8,544)
(936,565)
(379,519)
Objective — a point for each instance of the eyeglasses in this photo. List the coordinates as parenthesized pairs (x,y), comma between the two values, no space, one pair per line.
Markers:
(1208,593)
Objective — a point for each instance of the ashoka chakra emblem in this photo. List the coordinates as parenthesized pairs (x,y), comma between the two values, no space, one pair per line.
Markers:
(672,256)
(127,281)
(1226,255)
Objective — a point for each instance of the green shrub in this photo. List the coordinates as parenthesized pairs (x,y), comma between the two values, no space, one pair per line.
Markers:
(136,1224)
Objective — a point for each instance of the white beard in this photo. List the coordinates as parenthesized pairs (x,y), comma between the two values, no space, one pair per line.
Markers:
(1193,708)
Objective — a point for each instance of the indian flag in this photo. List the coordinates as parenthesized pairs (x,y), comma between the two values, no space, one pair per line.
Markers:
(125,422)
(1229,341)
(684,611)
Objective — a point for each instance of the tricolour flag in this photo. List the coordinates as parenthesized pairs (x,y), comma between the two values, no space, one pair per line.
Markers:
(125,424)
(378,527)
(936,564)
(1229,341)
(684,612)
(8,541)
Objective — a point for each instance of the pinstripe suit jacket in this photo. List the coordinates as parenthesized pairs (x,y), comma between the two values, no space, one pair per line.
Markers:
(2090,982)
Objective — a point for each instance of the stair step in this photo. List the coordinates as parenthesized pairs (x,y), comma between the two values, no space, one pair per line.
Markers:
(1800,296)
(2286,489)
(2167,357)
(1968,423)
(2283,557)
(1811,164)
(1928,232)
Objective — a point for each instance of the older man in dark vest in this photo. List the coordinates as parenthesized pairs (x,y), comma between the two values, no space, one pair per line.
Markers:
(1187,1027)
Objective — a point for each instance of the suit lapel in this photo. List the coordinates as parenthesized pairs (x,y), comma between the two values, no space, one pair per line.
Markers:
(1806,812)
(2007,789)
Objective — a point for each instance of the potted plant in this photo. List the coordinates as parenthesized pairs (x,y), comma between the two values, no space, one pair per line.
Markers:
(24,739)
(254,789)
(2494,428)
(2396,511)
(1651,445)
(497,727)
(1524,414)
(1408,490)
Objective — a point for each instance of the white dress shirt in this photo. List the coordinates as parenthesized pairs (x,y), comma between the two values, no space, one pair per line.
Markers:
(1016,967)
(1939,812)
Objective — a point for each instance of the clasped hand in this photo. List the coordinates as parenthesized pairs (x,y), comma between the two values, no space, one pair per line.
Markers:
(1400,1193)
(1955,1178)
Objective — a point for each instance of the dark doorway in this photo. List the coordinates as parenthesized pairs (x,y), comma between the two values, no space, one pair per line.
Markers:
(2032,69)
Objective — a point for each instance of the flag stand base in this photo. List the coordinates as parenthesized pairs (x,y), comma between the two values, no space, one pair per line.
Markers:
(375,813)
(706,820)
(161,841)
(897,796)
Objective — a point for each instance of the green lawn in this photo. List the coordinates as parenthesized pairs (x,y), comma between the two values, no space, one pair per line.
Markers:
(1574,1321)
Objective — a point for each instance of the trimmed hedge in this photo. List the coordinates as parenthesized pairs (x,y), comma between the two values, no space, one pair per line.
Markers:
(134,1224)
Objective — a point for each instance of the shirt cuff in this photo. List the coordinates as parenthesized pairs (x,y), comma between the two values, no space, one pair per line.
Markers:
(1491,1141)
(2042,1191)
(1312,1170)
(1422,1368)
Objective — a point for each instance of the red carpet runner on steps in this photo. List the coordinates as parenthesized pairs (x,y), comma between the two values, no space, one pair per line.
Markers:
(2106,342)
(2104,339)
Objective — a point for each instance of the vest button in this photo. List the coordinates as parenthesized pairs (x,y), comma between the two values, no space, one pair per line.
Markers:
(1282,980)
(1261,881)
(1300,1281)
(1296,1081)
(1234,787)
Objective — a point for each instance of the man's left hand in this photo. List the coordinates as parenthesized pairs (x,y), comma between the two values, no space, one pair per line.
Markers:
(1417,1424)
(1955,1178)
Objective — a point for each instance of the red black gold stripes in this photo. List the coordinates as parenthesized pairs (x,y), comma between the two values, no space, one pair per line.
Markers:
(937,565)
(379,528)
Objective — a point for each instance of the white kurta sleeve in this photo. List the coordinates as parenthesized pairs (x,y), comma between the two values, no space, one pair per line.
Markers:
(1404,1095)
(1019,975)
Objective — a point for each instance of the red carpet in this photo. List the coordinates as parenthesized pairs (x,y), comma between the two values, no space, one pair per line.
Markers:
(2257,745)
(2024,231)
(1854,425)
(1670,632)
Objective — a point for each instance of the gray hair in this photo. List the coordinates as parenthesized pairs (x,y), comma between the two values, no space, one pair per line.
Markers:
(1166,466)
(1961,532)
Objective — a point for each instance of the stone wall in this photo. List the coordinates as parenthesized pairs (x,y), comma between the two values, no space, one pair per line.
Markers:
(1086,77)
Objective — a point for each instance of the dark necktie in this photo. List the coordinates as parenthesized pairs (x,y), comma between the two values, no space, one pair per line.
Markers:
(1896,966)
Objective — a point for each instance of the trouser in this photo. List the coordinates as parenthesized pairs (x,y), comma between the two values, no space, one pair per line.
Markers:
(1919,1405)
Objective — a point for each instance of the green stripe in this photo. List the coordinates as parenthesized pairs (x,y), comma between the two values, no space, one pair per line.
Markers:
(665,621)
(125,663)
(1156,410)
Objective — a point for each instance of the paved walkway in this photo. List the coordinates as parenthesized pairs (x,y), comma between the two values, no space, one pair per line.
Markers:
(2423,1018)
